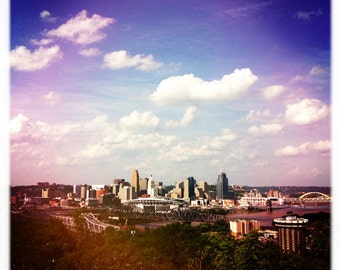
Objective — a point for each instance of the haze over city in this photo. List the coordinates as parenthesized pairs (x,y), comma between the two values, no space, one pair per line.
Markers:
(173,89)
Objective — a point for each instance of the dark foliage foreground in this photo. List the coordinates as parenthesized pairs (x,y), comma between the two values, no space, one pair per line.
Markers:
(175,246)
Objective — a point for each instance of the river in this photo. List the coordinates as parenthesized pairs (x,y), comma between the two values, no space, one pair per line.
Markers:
(264,217)
(267,218)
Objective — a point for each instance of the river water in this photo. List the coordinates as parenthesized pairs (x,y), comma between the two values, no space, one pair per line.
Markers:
(267,218)
(264,217)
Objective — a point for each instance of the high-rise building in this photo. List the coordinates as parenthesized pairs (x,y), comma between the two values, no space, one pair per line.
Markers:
(152,187)
(189,188)
(291,234)
(222,186)
(125,194)
(45,193)
(135,180)
(115,189)
(204,186)
(243,226)
(84,194)
(143,184)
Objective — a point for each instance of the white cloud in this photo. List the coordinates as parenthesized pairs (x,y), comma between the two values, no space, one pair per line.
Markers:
(218,142)
(147,141)
(273,92)
(16,124)
(298,78)
(256,115)
(23,59)
(90,52)
(187,118)
(46,16)
(322,146)
(266,129)
(202,147)
(289,151)
(184,151)
(138,119)
(122,59)
(316,70)
(42,42)
(306,111)
(94,151)
(185,88)
(240,154)
(52,98)
(81,29)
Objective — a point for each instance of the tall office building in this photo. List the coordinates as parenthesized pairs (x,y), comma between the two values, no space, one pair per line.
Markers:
(143,184)
(204,186)
(222,186)
(84,191)
(189,188)
(152,187)
(291,234)
(124,194)
(135,180)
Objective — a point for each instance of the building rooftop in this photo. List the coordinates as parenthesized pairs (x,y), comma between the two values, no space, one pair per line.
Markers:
(290,220)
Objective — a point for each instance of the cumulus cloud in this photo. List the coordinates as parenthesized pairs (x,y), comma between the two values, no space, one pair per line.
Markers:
(52,98)
(273,92)
(86,143)
(82,29)
(187,118)
(218,142)
(306,111)
(42,42)
(322,146)
(138,119)
(122,59)
(90,52)
(201,147)
(45,15)
(184,151)
(179,89)
(145,141)
(266,129)
(23,59)
(17,123)
(257,115)
(94,151)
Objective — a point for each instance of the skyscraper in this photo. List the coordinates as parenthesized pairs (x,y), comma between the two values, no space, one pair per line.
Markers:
(189,187)
(135,180)
(143,184)
(222,186)
(152,187)
(291,234)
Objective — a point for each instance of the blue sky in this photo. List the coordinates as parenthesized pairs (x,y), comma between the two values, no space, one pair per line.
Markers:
(171,88)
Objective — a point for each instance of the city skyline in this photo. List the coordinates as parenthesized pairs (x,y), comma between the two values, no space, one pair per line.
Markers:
(171,89)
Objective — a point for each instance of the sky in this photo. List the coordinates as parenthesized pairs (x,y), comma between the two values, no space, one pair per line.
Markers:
(170,88)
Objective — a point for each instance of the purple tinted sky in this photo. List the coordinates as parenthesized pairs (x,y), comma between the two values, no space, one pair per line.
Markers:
(171,88)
